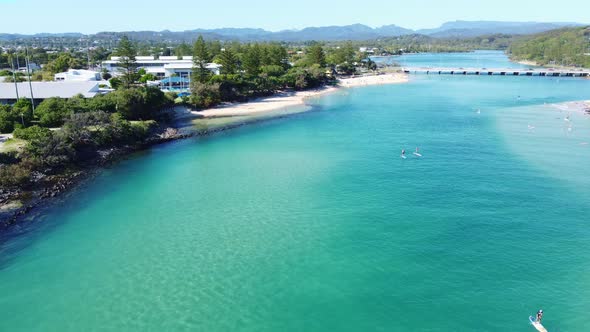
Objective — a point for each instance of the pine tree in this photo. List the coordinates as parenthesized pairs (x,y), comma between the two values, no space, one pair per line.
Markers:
(278,55)
(127,63)
(316,55)
(251,60)
(228,61)
(201,59)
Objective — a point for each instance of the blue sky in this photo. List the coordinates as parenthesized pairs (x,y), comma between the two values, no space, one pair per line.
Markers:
(31,16)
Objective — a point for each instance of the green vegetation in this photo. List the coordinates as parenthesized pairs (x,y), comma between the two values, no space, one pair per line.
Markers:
(31,133)
(63,62)
(127,52)
(259,69)
(81,136)
(126,116)
(53,59)
(565,47)
(141,103)
(421,43)
(201,57)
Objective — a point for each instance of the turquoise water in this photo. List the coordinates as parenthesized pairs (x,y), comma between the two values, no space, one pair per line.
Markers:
(477,59)
(314,223)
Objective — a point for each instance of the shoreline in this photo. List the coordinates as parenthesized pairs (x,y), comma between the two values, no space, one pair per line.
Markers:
(577,106)
(299,98)
(535,64)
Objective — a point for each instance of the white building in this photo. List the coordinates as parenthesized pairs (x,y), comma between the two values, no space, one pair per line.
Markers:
(44,90)
(32,67)
(369,50)
(78,75)
(164,66)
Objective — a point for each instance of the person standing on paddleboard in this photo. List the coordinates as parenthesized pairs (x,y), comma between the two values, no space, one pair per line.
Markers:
(539,315)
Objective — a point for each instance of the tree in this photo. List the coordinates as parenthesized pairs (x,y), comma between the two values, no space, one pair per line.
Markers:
(62,63)
(105,103)
(305,78)
(183,49)
(228,61)
(52,112)
(31,133)
(201,58)
(7,119)
(22,110)
(343,54)
(144,103)
(205,95)
(316,55)
(147,77)
(116,83)
(277,56)
(127,63)
(272,70)
(214,48)
(251,60)
(371,65)
(98,54)
(130,103)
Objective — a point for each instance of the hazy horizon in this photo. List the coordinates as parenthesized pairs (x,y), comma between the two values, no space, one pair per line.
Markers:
(150,15)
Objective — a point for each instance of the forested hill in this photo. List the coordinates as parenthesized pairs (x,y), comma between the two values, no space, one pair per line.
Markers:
(564,47)
(457,29)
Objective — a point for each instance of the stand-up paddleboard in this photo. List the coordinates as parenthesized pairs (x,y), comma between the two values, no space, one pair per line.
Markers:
(537,325)
(416,153)
(403,157)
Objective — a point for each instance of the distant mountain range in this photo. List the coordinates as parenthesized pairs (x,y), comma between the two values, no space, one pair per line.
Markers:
(479,28)
(456,29)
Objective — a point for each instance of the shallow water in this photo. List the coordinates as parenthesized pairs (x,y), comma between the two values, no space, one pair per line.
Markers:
(313,222)
(477,59)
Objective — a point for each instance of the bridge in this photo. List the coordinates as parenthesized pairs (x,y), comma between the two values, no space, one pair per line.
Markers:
(497,71)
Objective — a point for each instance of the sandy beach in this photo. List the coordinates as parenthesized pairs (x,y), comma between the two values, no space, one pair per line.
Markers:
(290,99)
(266,104)
(395,78)
(556,67)
(582,106)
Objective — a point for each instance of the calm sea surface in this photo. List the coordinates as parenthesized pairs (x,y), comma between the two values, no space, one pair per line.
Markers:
(314,223)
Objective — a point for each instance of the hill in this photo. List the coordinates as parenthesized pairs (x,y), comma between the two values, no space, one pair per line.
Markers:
(564,47)
(457,29)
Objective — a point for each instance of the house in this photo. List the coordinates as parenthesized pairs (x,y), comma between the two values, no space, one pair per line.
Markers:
(164,66)
(78,75)
(368,50)
(44,90)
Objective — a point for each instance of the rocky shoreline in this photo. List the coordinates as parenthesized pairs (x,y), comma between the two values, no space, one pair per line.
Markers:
(52,183)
